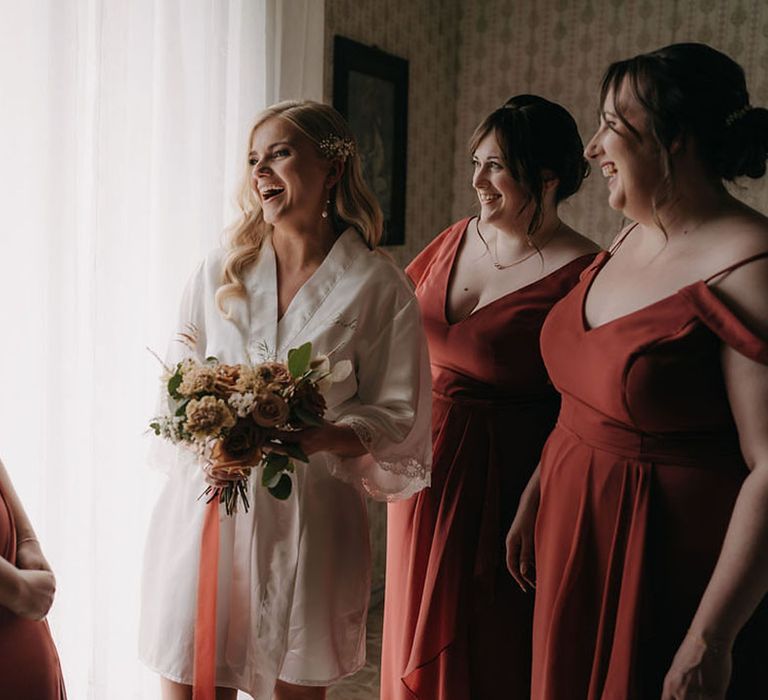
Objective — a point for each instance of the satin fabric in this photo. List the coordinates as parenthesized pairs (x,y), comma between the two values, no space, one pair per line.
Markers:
(638,482)
(454,618)
(293,576)
(29,663)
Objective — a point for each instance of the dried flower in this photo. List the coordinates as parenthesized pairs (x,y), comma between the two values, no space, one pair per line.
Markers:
(247,380)
(226,413)
(190,336)
(208,417)
(241,403)
(197,379)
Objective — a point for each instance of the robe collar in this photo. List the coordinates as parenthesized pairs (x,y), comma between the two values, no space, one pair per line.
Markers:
(264,331)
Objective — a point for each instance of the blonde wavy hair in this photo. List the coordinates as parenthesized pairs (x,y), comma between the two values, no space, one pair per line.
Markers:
(352,203)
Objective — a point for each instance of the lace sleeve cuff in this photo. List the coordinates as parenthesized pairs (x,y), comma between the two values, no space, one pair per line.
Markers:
(385,474)
(361,428)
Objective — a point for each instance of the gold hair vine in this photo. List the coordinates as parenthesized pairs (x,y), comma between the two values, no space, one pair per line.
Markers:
(337,147)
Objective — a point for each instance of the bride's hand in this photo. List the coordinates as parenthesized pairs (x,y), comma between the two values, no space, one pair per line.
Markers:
(223,469)
(340,440)
(308,440)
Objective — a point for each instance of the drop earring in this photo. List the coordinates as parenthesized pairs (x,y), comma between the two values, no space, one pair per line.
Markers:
(324,213)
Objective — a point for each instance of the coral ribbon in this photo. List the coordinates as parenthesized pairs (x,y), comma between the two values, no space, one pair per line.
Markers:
(204,683)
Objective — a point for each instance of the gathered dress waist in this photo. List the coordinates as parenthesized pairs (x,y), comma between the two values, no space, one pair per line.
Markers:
(456,388)
(706,448)
(497,402)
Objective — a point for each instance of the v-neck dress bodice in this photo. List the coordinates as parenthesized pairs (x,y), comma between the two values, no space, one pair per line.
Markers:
(638,481)
(494,352)
(294,575)
(454,618)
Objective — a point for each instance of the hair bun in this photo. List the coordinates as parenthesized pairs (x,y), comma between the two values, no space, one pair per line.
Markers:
(745,145)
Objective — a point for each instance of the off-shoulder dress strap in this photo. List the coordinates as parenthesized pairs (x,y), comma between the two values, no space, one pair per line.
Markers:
(736,266)
(714,313)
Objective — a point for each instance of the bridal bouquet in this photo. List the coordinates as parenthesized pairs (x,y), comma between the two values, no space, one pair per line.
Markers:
(232,414)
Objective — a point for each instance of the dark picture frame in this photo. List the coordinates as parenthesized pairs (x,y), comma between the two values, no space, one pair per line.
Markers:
(370,88)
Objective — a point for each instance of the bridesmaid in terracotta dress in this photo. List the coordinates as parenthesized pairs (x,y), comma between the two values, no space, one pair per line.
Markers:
(29,664)
(652,531)
(454,620)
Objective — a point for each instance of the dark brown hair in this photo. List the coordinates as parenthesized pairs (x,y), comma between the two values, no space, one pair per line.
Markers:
(537,138)
(694,90)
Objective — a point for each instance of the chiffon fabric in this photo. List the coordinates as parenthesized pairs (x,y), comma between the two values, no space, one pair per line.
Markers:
(294,575)
(29,664)
(638,481)
(454,618)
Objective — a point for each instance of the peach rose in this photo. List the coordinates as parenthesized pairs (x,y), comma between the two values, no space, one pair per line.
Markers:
(273,373)
(310,399)
(270,410)
(226,378)
(241,447)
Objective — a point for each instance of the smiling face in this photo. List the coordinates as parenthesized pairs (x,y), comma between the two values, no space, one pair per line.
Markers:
(503,200)
(288,174)
(628,156)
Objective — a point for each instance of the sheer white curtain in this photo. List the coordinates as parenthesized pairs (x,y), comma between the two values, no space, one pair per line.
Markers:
(122,136)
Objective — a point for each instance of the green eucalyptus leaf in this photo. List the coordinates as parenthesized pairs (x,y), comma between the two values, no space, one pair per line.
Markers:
(274,464)
(283,488)
(269,474)
(298,360)
(173,385)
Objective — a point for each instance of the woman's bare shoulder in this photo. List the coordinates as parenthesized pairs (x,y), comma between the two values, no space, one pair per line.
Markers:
(742,255)
(572,244)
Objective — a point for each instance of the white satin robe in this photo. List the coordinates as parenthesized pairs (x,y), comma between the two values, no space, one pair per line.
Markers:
(294,575)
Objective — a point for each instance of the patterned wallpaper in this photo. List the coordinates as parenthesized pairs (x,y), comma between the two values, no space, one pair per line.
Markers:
(560,48)
(468,56)
(425,33)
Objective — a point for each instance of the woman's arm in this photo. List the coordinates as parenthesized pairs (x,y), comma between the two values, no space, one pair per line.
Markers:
(24,529)
(29,555)
(740,579)
(381,437)
(520,557)
(27,591)
(340,440)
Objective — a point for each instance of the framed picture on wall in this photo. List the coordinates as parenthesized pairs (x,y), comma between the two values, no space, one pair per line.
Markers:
(370,88)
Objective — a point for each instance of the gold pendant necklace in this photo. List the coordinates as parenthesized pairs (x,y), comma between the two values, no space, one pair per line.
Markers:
(494,255)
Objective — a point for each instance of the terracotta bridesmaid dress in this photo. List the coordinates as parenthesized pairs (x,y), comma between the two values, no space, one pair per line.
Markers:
(29,664)
(455,622)
(638,482)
